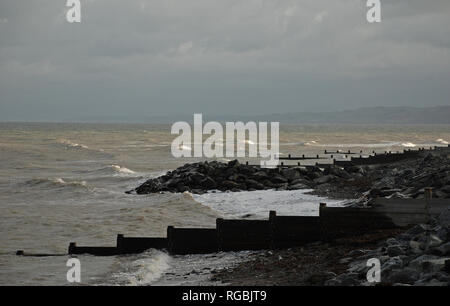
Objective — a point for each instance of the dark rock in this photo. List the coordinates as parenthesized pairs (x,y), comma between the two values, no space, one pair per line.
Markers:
(324,179)
(278,179)
(260,175)
(233,163)
(298,186)
(254,185)
(291,174)
(208,183)
(445,189)
(319,279)
(348,279)
(230,185)
(418,229)
(442,250)
(404,276)
(444,219)
(395,250)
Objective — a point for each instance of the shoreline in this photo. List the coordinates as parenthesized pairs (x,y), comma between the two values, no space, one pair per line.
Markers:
(310,265)
(408,256)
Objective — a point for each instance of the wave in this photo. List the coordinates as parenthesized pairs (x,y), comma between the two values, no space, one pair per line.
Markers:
(143,271)
(442,141)
(113,170)
(120,169)
(408,145)
(70,144)
(307,143)
(54,183)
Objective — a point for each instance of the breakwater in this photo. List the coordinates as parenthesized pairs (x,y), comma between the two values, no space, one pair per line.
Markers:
(274,232)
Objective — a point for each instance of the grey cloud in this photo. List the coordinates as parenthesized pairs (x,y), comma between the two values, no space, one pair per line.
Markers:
(229,56)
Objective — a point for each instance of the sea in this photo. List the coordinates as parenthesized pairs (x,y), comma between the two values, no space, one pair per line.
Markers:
(64,182)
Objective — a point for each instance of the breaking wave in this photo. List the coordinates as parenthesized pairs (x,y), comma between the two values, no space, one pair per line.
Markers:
(70,144)
(120,169)
(143,271)
(408,145)
(54,182)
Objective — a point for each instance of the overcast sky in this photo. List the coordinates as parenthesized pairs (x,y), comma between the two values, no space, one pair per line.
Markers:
(135,58)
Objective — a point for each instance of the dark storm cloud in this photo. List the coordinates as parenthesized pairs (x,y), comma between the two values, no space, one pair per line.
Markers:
(135,58)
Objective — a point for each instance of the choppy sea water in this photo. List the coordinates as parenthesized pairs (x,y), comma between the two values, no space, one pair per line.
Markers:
(65,182)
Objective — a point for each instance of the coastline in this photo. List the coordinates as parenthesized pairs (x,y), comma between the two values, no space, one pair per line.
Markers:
(418,255)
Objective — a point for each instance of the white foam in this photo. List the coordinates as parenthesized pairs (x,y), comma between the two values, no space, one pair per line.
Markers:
(257,204)
(121,169)
(440,140)
(408,145)
(143,271)
(71,144)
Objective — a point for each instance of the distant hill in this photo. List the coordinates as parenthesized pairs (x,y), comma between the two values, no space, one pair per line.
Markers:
(368,115)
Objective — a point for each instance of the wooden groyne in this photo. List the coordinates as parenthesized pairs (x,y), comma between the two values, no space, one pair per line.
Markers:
(132,245)
(290,231)
(183,241)
(237,235)
(279,231)
(372,158)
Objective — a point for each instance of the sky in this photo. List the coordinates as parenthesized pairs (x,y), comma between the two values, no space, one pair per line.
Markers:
(135,59)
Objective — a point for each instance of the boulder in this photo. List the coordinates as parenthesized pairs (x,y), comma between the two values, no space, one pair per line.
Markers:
(324,179)
(208,183)
(298,186)
(278,179)
(348,279)
(415,247)
(290,174)
(403,276)
(260,175)
(444,219)
(418,229)
(395,250)
(391,264)
(442,250)
(254,185)
(418,262)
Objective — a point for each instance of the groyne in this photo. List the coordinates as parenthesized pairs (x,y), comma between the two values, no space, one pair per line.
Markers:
(276,231)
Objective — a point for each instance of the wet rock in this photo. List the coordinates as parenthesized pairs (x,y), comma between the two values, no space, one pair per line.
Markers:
(418,262)
(395,250)
(230,185)
(260,175)
(392,264)
(404,276)
(445,189)
(444,219)
(298,186)
(431,283)
(324,179)
(415,247)
(442,250)
(418,229)
(278,179)
(348,279)
(290,174)
(433,241)
(337,171)
(254,185)
(357,253)
(320,279)
(392,241)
